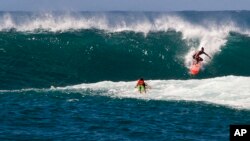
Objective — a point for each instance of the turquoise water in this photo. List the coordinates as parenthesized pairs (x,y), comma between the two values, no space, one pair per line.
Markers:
(71,76)
(61,59)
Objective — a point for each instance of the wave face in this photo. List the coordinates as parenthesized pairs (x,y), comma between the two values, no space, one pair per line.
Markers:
(59,49)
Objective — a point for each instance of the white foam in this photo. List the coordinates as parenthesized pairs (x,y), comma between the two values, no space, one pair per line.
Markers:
(233,91)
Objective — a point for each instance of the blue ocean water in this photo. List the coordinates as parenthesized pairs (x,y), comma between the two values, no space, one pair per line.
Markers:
(71,75)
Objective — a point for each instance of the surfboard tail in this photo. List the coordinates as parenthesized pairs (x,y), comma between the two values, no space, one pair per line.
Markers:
(195,69)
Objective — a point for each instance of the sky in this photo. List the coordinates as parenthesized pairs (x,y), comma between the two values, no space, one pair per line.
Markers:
(123,5)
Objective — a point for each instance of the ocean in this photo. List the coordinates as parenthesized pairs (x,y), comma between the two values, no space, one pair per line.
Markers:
(72,75)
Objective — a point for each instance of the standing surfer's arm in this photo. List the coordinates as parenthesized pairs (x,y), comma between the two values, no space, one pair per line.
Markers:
(196,55)
(207,55)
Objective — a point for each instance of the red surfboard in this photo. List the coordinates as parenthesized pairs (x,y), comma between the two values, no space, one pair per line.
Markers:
(195,68)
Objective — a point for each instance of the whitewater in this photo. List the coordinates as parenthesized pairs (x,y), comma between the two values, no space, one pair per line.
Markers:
(230,91)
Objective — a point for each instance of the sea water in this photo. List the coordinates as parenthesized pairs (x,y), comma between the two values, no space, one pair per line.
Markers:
(71,75)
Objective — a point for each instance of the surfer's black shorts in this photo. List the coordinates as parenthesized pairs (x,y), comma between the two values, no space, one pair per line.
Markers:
(198,58)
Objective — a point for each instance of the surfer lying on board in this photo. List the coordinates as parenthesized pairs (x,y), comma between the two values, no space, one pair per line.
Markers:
(197,57)
(141,85)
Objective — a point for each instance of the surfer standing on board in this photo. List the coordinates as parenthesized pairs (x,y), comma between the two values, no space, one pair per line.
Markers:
(197,57)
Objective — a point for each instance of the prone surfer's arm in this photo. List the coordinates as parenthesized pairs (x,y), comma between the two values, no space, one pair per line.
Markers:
(136,85)
(147,86)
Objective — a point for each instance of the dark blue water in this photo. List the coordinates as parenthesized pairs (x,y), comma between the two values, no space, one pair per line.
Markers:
(61,116)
